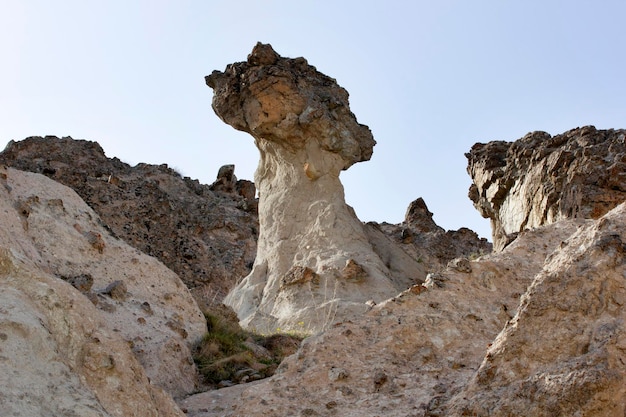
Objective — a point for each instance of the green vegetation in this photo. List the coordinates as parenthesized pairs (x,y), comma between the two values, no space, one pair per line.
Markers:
(229,353)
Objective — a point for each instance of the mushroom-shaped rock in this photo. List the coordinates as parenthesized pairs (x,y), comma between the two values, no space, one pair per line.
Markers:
(306,134)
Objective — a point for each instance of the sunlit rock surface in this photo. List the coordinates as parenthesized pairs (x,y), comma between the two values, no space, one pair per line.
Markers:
(314,260)
(540,179)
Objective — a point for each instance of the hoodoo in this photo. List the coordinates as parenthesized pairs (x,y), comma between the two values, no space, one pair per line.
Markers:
(314,260)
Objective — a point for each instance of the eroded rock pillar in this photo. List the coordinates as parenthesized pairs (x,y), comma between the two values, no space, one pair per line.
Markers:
(314,261)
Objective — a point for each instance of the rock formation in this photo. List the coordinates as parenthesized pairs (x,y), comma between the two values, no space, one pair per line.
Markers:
(90,326)
(314,260)
(540,179)
(409,355)
(206,234)
(85,317)
(422,239)
(536,328)
(439,349)
(563,354)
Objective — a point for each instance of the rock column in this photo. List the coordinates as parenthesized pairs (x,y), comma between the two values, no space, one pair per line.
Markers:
(314,261)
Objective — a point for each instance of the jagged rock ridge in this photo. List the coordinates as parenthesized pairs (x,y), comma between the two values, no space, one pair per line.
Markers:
(540,179)
(206,234)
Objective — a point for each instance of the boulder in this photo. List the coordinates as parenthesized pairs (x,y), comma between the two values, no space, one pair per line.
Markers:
(540,179)
(306,134)
(122,292)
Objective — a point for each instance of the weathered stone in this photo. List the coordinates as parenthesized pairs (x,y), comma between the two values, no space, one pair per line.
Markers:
(461,265)
(53,243)
(226,180)
(302,124)
(419,218)
(116,290)
(82,282)
(415,352)
(563,352)
(61,354)
(208,238)
(540,179)
(421,239)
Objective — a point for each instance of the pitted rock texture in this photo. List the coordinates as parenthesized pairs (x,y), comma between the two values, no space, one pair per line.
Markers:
(564,352)
(287,102)
(433,350)
(84,317)
(540,179)
(306,134)
(206,234)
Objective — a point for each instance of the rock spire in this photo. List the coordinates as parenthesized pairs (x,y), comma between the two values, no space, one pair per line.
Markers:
(314,260)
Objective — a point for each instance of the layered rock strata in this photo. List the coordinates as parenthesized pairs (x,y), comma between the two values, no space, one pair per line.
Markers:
(540,179)
(314,260)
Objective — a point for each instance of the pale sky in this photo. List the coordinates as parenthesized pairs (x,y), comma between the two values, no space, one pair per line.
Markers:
(430,78)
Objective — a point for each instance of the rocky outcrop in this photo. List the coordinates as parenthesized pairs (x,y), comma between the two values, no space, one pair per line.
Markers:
(60,358)
(84,316)
(314,260)
(563,352)
(423,240)
(540,179)
(439,349)
(206,234)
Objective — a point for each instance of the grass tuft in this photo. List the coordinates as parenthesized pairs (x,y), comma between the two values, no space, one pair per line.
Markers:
(226,352)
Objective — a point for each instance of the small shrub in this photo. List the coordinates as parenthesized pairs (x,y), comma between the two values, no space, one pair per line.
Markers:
(222,353)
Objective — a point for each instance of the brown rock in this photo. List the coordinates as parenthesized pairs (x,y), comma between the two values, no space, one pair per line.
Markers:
(540,179)
(208,238)
(422,239)
(116,290)
(419,218)
(288,102)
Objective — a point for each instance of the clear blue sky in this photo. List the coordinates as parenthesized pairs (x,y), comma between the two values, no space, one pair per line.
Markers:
(430,78)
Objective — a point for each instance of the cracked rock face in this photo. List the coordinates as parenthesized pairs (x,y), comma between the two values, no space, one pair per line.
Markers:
(310,241)
(540,179)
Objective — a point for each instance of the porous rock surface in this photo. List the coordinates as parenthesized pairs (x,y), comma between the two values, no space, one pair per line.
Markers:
(204,233)
(536,329)
(314,260)
(564,352)
(84,317)
(540,179)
